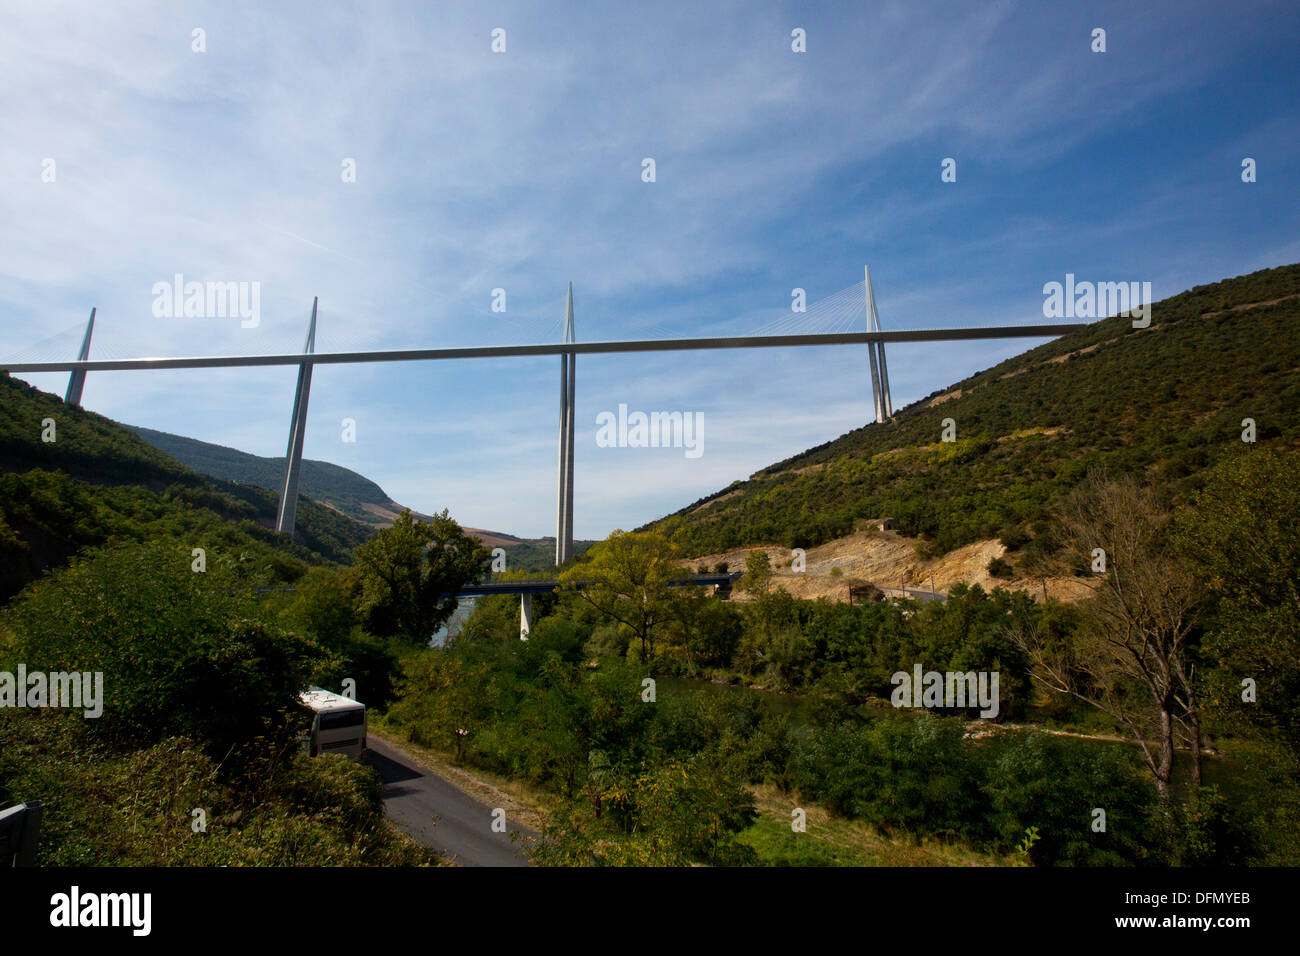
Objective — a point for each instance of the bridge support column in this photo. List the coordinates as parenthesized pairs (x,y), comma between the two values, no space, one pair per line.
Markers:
(569,421)
(525,616)
(880,377)
(77,380)
(875,383)
(568,386)
(285,520)
(884,383)
(562,493)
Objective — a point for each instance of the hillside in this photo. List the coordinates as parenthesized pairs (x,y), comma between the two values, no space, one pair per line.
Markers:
(335,487)
(96,482)
(332,485)
(1165,402)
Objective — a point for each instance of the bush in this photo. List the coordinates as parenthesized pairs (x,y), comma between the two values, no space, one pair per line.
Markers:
(609,640)
(899,773)
(732,728)
(182,653)
(1000,569)
(1208,830)
(1013,537)
(1054,783)
(674,814)
(104,807)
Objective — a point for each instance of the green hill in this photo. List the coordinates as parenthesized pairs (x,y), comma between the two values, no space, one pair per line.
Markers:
(321,481)
(337,487)
(1165,402)
(96,482)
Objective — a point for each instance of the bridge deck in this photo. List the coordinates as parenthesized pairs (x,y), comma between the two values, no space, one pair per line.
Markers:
(569,348)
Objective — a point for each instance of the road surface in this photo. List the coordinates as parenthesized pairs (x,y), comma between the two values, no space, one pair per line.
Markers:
(440,815)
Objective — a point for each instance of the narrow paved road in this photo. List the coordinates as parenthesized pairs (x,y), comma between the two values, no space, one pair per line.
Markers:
(440,815)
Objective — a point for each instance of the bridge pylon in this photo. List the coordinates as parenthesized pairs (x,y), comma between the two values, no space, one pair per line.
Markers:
(525,616)
(285,520)
(77,378)
(568,385)
(879,370)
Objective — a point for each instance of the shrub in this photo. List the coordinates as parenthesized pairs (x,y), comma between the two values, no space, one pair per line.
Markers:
(1000,568)
(1054,783)
(182,653)
(1013,537)
(104,807)
(899,773)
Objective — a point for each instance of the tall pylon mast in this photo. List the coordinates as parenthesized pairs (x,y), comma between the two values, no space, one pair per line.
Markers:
(570,336)
(77,378)
(884,402)
(287,517)
(568,386)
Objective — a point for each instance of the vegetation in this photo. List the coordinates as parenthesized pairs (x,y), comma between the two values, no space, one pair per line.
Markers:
(1158,652)
(119,562)
(1136,660)
(105,806)
(758,573)
(1162,404)
(406,578)
(670,780)
(321,481)
(337,488)
(194,758)
(1191,637)
(627,578)
(97,483)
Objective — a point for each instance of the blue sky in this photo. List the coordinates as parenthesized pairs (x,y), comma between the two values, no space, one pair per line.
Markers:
(522,170)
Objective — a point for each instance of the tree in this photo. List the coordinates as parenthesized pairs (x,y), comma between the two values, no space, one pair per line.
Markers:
(629,576)
(674,813)
(324,606)
(758,572)
(442,699)
(1241,531)
(1134,658)
(706,628)
(407,576)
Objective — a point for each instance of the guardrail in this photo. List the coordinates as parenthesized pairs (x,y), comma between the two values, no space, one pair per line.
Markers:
(20,829)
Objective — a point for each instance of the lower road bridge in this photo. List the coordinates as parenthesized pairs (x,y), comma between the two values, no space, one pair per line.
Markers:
(917,594)
(722,583)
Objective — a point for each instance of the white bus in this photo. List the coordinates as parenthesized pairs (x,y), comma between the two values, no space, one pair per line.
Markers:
(339,725)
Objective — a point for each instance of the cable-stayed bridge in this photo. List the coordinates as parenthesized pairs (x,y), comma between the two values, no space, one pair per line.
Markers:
(840,311)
